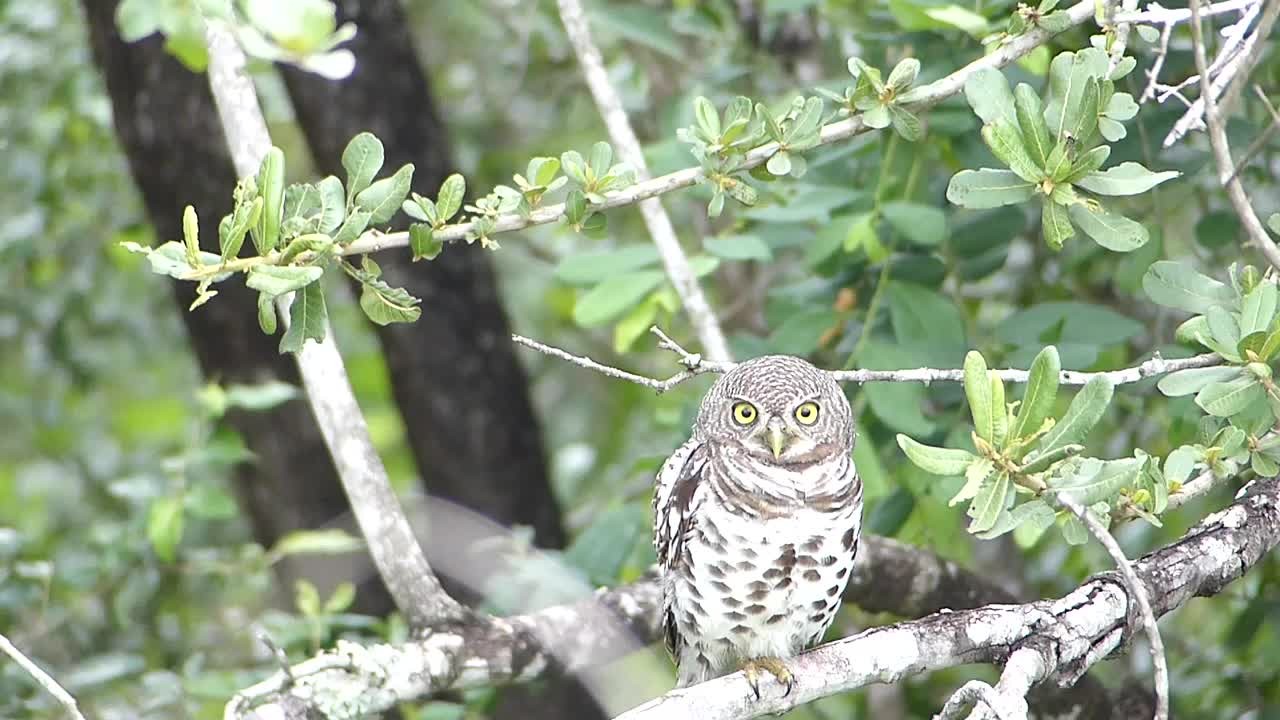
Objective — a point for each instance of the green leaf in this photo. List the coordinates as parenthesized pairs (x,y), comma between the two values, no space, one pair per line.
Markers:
(385,305)
(988,188)
(1224,328)
(423,242)
(989,504)
(1083,119)
(383,198)
(1187,382)
(936,460)
(191,235)
(614,296)
(332,206)
(1092,481)
(452,191)
(1178,285)
(1035,133)
(903,74)
(1006,144)
(1127,178)
(1111,231)
(1042,390)
(307,319)
(976,475)
(276,280)
(1273,222)
(779,163)
(332,541)
(362,159)
(707,117)
(266,314)
(601,158)
(1228,398)
(1055,224)
(1085,411)
(355,223)
(906,124)
(999,412)
(921,224)
(590,268)
(1087,163)
(877,117)
(271,190)
(164,526)
(977,389)
(1036,513)
(633,325)
(988,94)
(738,247)
(1258,309)
(926,323)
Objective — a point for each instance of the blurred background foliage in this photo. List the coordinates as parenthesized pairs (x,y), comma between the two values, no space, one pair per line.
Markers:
(126,566)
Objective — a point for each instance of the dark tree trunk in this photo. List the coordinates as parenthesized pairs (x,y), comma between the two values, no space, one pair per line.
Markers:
(459,387)
(170,133)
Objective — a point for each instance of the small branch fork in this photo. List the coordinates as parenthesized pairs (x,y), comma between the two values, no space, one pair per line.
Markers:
(696,365)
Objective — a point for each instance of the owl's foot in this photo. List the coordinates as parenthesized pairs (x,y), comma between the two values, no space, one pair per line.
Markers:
(772,665)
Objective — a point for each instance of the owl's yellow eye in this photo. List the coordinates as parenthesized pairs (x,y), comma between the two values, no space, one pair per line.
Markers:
(807,414)
(744,413)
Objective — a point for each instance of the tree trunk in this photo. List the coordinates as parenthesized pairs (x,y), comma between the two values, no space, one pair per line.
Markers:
(459,386)
(170,133)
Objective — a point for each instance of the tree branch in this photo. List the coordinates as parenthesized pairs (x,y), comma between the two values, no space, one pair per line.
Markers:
(1217,126)
(43,678)
(392,544)
(695,365)
(655,216)
(929,95)
(1138,593)
(888,576)
(1071,633)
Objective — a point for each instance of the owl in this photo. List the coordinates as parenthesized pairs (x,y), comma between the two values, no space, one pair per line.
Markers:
(756,521)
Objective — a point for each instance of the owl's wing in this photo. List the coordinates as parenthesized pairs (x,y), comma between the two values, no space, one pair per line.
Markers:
(673,500)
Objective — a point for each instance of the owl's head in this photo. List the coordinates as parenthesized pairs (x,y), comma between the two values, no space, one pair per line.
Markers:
(780,410)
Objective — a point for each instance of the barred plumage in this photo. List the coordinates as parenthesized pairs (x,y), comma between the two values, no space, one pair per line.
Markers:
(757,523)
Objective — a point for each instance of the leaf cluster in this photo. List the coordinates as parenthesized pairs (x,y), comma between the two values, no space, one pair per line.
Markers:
(1054,149)
(879,100)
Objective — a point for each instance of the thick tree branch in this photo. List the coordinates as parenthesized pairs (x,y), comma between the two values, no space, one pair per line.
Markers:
(392,544)
(888,576)
(1071,633)
(695,365)
(1217,124)
(655,216)
(929,95)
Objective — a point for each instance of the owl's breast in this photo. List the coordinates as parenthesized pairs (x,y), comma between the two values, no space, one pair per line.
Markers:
(754,585)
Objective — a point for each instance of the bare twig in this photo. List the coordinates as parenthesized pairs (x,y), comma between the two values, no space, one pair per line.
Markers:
(929,95)
(1025,667)
(1235,58)
(1137,591)
(695,366)
(655,216)
(392,544)
(1259,142)
(1218,132)
(1122,29)
(43,678)
(1155,14)
(977,693)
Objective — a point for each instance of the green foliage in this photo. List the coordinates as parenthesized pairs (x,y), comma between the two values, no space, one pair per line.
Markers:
(1054,147)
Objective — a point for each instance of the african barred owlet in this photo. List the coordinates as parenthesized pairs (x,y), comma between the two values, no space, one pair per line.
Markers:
(756,521)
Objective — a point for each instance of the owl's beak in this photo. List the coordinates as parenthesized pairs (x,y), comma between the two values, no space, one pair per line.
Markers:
(777,437)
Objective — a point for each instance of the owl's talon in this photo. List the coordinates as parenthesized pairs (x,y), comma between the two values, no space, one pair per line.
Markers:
(772,665)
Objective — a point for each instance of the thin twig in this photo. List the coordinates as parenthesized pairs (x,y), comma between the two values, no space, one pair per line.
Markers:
(1259,142)
(43,678)
(391,541)
(929,95)
(695,365)
(661,230)
(1218,132)
(1137,591)
(975,693)
(1155,14)
(1122,29)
